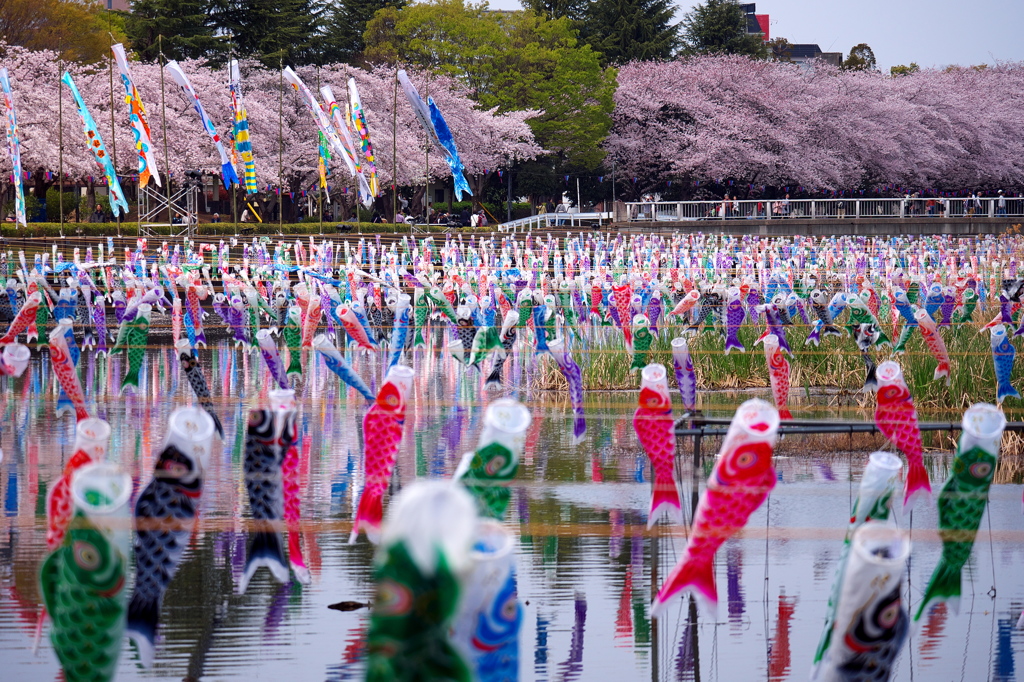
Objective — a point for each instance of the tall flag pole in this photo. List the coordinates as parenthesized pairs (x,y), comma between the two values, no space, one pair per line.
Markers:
(137,118)
(14,148)
(226,169)
(95,142)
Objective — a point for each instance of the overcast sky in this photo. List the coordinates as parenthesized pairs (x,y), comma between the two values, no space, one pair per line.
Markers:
(929,32)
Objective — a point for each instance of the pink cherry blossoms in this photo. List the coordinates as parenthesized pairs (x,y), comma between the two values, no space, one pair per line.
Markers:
(775,124)
(285,146)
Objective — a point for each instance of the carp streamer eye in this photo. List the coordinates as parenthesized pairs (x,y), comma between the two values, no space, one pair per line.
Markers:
(889,616)
(393,599)
(495,465)
(981,469)
(86,556)
(745,460)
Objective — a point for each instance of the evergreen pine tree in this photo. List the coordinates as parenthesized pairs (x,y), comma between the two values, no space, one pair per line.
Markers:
(720,27)
(274,31)
(344,25)
(628,30)
(187,28)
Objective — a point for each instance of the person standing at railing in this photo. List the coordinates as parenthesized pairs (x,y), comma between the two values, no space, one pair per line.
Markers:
(785,207)
(725,211)
(1001,204)
(736,205)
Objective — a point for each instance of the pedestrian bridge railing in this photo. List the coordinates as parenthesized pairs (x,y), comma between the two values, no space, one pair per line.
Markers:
(856,209)
(561,218)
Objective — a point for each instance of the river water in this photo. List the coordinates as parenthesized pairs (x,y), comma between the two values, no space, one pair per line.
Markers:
(587,565)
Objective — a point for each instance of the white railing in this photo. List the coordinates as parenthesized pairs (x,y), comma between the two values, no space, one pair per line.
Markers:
(544,220)
(679,211)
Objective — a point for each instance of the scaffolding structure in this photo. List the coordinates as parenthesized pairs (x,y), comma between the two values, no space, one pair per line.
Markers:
(183,203)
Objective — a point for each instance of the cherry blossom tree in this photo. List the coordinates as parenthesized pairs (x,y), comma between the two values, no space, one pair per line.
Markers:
(282,131)
(775,124)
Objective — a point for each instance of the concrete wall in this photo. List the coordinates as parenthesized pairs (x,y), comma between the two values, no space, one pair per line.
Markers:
(828,227)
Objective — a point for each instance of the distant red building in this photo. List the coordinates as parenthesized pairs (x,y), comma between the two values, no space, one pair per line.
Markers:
(756,23)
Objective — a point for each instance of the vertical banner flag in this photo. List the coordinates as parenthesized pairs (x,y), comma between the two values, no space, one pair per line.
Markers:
(351,155)
(240,129)
(227,170)
(99,152)
(362,128)
(14,148)
(322,122)
(451,153)
(137,117)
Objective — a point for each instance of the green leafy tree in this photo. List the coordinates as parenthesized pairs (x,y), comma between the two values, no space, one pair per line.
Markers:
(187,27)
(77,30)
(861,58)
(508,61)
(904,70)
(577,10)
(344,25)
(781,50)
(628,30)
(720,27)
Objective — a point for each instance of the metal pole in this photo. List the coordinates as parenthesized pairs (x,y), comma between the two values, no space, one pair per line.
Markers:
(394,152)
(426,190)
(163,119)
(280,150)
(113,131)
(319,189)
(508,203)
(60,139)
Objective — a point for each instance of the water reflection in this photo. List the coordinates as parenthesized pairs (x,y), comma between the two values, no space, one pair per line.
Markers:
(586,562)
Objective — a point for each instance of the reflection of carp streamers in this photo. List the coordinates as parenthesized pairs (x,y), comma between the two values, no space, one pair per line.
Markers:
(447,142)
(240,128)
(382,433)
(227,170)
(654,427)
(64,368)
(873,503)
(335,362)
(95,143)
(165,514)
(264,486)
(740,482)
(963,500)
(137,120)
(82,581)
(871,623)
(14,148)
(194,373)
(574,378)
